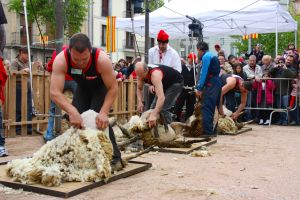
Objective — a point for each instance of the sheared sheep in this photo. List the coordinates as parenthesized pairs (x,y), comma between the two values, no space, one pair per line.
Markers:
(76,155)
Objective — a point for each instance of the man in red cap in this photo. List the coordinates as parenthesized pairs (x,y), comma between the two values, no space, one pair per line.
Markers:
(186,97)
(219,50)
(164,54)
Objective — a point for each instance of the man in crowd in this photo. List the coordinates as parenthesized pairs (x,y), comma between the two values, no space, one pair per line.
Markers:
(167,83)
(3,78)
(254,72)
(162,54)
(257,52)
(187,97)
(96,85)
(208,87)
(282,86)
(21,64)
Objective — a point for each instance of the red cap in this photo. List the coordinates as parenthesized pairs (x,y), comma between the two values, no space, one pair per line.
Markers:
(217,46)
(191,56)
(241,59)
(162,36)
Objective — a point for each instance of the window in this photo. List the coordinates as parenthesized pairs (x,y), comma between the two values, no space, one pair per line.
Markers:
(105,8)
(128,8)
(103,35)
(129,40)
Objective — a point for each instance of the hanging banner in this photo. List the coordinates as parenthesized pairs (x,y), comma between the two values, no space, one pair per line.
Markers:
(110,34)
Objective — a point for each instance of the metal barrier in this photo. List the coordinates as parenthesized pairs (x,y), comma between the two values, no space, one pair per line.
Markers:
(281,92)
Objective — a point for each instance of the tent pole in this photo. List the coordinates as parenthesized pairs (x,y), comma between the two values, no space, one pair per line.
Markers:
(276,33)
(29,53)
(296,32)
(146,30)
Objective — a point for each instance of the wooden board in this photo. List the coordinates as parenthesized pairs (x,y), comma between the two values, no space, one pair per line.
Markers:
(195,146)
(70,189)
(242,130)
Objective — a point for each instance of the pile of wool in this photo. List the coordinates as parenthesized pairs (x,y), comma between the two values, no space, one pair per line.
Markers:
(200,153)
(138,124)
(76,155)
(226,125)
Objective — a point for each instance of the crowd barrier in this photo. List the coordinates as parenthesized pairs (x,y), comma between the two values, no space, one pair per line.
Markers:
(280,100)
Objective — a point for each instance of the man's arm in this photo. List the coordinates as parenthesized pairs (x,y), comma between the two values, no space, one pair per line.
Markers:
(230,84)
(57,84)
(140,84)
(104,67)
(241,106)
(156,79)
(204,70)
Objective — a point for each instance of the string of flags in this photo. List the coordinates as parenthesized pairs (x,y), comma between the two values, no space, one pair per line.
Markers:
(252,36)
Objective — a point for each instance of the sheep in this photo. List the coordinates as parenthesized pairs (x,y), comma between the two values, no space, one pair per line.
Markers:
(76,155)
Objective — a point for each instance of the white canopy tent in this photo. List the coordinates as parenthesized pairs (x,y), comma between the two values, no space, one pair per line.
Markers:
(219,17)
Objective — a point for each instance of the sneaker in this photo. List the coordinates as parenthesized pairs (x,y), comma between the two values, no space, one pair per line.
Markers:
(3,151)
(267,122)
(293,123)
(261,122)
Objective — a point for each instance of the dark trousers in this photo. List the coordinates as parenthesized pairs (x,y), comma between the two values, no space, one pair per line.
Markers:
(211,99)
(93,98)
(230,100)
(2,139)
(19,106)
(264,114)
(189,100)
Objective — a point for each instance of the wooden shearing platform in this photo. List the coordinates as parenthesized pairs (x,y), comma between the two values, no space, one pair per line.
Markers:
(195,146)
(242,130)
(70,189)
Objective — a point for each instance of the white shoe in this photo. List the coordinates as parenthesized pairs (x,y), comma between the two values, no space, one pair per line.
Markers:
(267,122)
(3,151)
(261,122)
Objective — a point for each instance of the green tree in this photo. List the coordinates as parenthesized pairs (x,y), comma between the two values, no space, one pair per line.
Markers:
(76,11)
(268,41)
(155,4)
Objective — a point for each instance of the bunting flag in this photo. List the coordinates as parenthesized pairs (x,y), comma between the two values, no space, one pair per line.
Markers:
(111,34)
(113,38)
(108,34)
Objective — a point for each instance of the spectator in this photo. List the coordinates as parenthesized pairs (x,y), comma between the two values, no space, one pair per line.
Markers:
(257,52)
(219,50)
(123,65)
(295,117)
(232,60)
(7,65)
(226,68)
(253,71)
(3,78)
(186,97)
(238,70)
(282,92)
(163,53)
(264,98)
(21,64)
(267,64)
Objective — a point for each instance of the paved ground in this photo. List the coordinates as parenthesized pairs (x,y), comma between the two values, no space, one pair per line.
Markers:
(263,164)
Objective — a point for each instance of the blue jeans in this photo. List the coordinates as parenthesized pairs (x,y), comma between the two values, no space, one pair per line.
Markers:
(211,99)
(18,109)
(69,85)
(282,102)
(2,139)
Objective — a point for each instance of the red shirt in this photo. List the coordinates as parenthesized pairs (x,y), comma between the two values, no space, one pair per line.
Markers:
(50,64)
